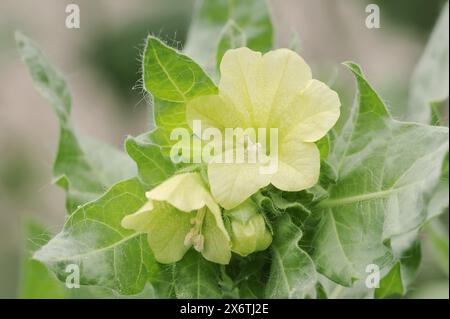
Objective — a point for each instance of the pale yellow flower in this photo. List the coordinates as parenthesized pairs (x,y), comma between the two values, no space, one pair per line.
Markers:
(274,90)
(181,213)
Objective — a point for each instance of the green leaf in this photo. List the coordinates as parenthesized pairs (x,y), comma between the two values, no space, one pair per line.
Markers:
(437,110)
(427,96)
(83,167)
(172,76)
(384,168)
(249,274)
(324,146)
(37,281)
(107,254)
(169,115)
(153,166)
(327,173)
(437,200)
(407,253)
(391,284)
(251,288)
(327,289)
(430,79)
(232,37)
(437,237)
(407,249)
(229,289)
(292,273)
(163,282)
(274,202)
(212,18)
(172,79)
(195,277)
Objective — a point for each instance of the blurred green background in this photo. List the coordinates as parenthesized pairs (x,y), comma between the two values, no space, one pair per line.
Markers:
(101,63)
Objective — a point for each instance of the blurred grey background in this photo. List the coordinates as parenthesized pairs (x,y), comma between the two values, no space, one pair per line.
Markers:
(101,64)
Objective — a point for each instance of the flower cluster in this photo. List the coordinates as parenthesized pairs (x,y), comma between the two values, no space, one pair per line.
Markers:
(270,91)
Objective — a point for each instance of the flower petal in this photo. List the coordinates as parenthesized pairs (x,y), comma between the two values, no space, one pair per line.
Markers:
(265,85)
(314,112)
(217,242)
(215,211)
(214,111)
(285,74)
(166,227)
(139,220)
(187,192)
(231,184)
(240,80)
(298,165)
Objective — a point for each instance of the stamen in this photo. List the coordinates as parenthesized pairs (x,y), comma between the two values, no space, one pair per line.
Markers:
(189,239)
(199,242)
(194,236)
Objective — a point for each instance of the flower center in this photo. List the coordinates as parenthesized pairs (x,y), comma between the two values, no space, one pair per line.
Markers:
(194,236)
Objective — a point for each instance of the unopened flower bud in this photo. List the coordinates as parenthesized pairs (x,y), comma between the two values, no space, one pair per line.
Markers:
(247,229)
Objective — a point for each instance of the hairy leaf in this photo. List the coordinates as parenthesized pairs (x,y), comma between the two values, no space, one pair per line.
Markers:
(327,289)
(253,272)
(384,168)
(107,254)
(437,199)
(153,166)
(292,273)
(391,284)
(169,115)
(83,167)
(430,80)
(407,253)
(427,96)
(37,281)
(438,241)
(195,277)
(172,76)
(172,79)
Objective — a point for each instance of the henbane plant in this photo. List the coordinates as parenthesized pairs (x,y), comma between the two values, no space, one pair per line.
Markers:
(353,186)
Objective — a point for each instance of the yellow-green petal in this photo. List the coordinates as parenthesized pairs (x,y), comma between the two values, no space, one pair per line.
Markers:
(167,232)
(285,73)
(217,242)
(263,86)
(231,184)
(214,111)
(298,165)
(187,192)
(139,220)
(314,112)
(240,80)
(166,228)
